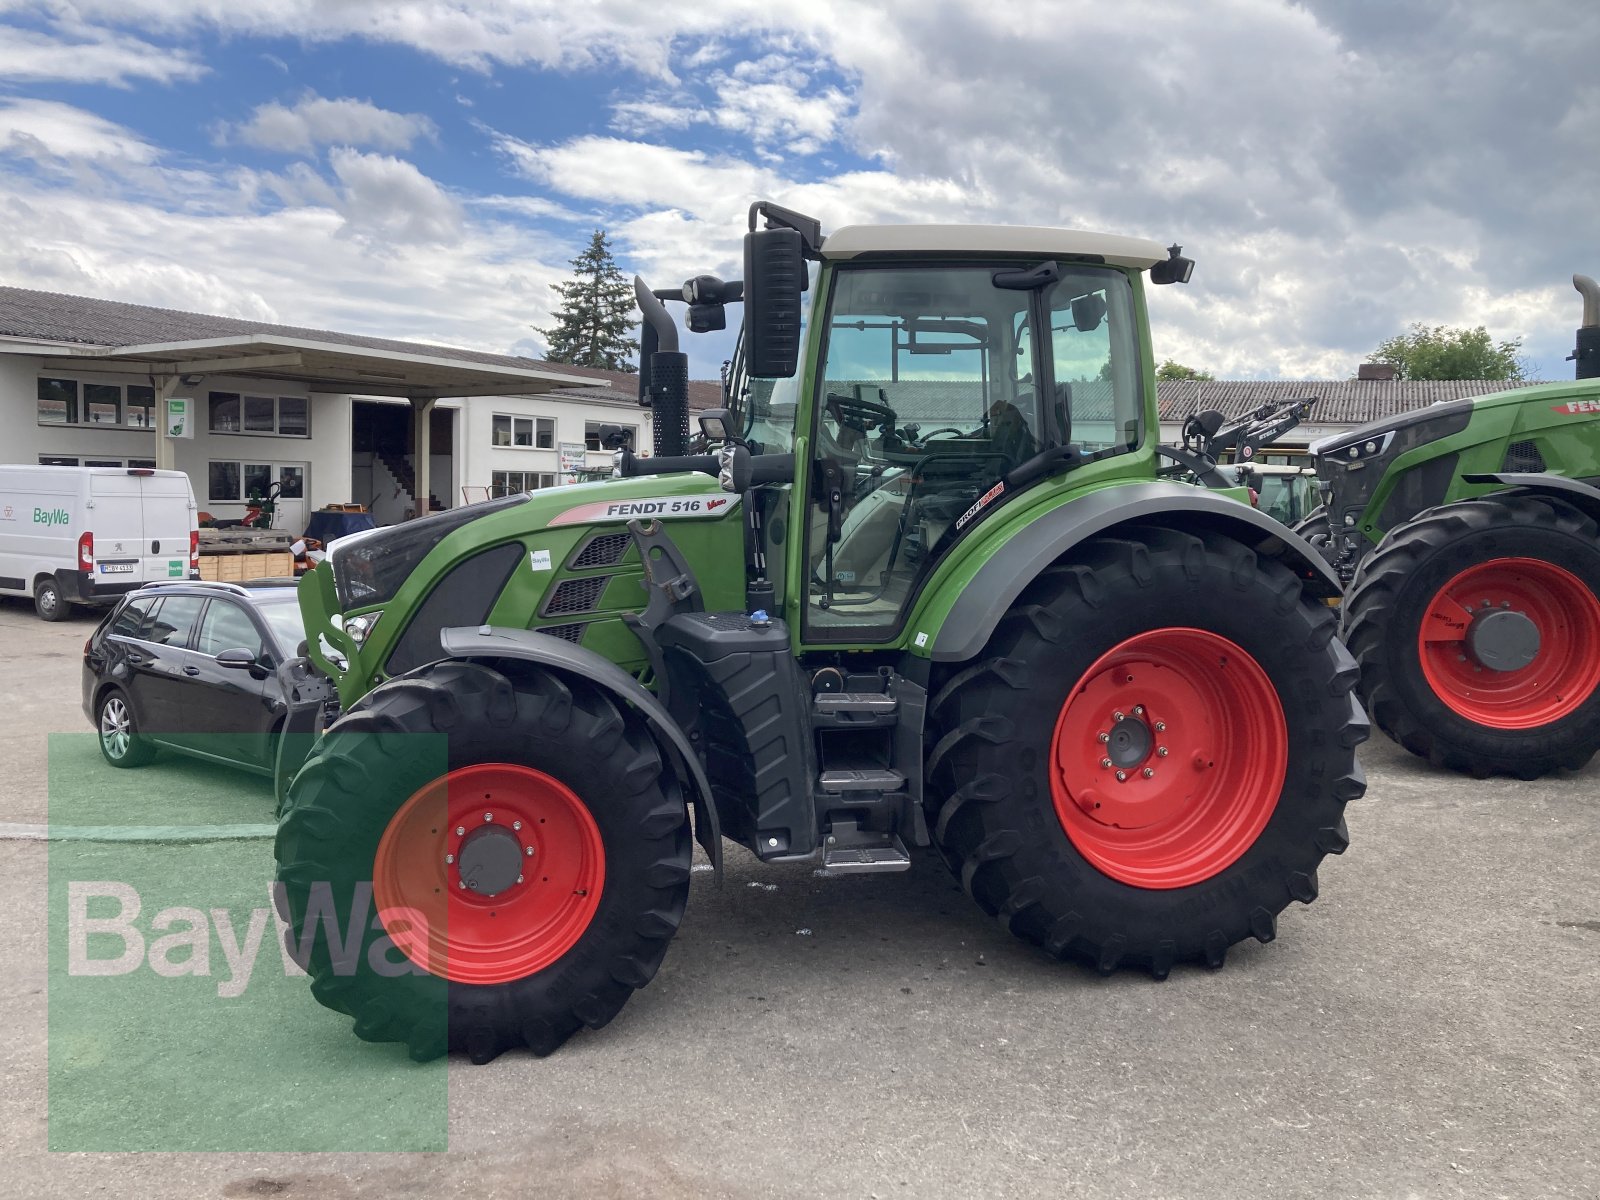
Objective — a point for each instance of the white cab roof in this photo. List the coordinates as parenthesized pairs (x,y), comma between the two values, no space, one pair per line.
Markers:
(854,240)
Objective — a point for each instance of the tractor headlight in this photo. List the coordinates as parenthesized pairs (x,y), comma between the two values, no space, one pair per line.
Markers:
(359,627)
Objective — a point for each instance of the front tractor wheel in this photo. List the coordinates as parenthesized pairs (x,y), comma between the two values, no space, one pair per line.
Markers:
(502,883)
(1477,630)
(1152,755)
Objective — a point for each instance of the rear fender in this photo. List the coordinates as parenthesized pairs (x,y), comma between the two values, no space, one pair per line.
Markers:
(487,643)
(1018,561)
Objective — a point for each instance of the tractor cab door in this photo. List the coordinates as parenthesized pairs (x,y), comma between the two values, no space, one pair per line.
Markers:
(937,382)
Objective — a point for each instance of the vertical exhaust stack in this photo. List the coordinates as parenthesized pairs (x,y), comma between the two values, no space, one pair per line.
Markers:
(1587,354)
(663,373)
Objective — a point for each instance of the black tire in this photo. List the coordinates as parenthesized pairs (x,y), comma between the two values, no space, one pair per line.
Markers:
(118,731)
(48,601)
(365,768)
(1393,590)
(1314,528)
(990,786)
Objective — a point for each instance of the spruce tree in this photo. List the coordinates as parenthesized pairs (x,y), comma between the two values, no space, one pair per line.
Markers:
(596,314)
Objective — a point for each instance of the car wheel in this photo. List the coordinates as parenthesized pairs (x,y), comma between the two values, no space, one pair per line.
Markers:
(48,601)
(120,741)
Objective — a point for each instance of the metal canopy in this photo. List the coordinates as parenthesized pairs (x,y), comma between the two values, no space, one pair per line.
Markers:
(329,367)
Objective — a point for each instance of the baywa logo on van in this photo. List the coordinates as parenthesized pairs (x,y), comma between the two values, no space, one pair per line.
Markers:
(53,516)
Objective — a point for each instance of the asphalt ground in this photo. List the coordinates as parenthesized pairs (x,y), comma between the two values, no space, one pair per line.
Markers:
(1426,1028)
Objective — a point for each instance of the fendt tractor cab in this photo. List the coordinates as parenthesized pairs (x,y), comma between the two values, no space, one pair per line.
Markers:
(1468,533)
(915,586)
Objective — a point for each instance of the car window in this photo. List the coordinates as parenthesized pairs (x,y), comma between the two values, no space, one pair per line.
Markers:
(173,618)
(284,620)
(132,617)
(226,626)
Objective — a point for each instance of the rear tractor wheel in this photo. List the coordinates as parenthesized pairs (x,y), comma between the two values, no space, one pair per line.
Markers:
(1152,755)
(506,881)
(1477,630)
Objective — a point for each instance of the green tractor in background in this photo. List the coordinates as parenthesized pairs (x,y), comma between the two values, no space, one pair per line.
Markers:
(1469,536)
(924,591)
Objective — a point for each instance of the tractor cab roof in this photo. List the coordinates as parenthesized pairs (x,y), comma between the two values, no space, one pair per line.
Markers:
(862,241)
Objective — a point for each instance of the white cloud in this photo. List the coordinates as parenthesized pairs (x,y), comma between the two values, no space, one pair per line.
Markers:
(314,121)
(1338,169)
(77,53)
(47,131)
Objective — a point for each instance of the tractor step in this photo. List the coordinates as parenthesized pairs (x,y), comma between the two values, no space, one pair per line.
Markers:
(866,702)
(851,851)
(858,780)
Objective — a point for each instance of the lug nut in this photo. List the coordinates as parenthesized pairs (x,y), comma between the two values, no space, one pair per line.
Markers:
(1161,726)
(1104,738)
(1161,751)
(462,885)
(460,830)
(488,816)
(1105,762)
(516,824)
(1122,776)
(1138,710)
(1116,716)
(449,858)
(1148,772)
(529,850)
(519,878)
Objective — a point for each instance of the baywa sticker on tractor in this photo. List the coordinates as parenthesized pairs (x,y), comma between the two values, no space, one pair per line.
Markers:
(660,508)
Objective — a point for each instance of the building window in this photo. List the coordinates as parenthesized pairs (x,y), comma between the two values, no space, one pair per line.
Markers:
(294,482)
(527,432)
(509,483)
(224,481)
(58,402)
(224,413)
(57,460)
(260,414)
(257,479)
(285,416)
(141,406)
(102,404)
(591,434)
(294,416)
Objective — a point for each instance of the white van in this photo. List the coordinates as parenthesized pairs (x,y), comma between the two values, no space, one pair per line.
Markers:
(86,535)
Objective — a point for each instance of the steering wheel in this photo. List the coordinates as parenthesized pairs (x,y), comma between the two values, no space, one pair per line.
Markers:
(860,415)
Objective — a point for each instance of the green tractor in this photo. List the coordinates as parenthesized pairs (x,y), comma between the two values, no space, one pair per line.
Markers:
(1469,536)
(922,591)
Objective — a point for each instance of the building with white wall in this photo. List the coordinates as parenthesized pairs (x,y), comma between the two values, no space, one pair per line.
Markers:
(330,417)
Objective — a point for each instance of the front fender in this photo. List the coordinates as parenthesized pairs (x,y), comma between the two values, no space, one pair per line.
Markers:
(1581,495)
(488,642)
(1016,562)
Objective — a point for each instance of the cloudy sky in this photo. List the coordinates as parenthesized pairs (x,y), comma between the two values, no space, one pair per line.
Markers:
(425,168)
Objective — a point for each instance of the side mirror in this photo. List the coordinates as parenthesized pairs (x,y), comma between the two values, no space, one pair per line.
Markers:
(238,659)
(1175,269)
(774,281)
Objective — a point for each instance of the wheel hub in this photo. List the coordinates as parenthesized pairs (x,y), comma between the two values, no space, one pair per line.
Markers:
(1129,742)
(490,860)
(1503,639)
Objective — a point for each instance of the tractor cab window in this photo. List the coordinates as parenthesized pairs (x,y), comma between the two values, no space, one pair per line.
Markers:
(935,385)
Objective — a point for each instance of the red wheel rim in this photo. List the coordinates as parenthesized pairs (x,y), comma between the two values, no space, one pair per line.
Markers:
(1564,671)
(460,932)
(1195,729)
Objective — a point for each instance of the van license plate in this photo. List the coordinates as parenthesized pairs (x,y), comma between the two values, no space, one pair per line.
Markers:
(116,568)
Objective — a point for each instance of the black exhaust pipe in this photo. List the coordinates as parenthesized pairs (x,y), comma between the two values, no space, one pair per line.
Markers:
(663,374)
(1587,354)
